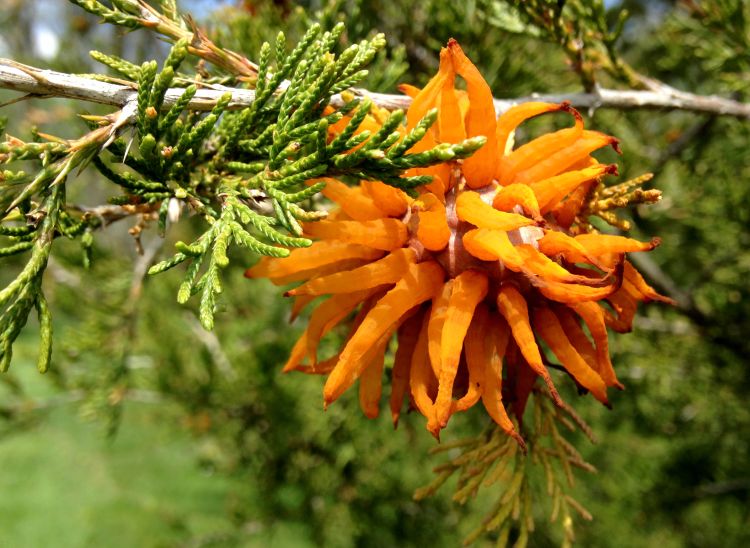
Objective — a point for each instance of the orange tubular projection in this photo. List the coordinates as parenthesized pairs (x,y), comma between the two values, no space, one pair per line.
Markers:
(489,261)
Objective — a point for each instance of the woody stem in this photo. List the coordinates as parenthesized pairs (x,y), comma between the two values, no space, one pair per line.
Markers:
(38,82)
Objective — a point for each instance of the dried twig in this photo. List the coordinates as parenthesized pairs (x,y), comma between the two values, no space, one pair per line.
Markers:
(109,214)
(46,83)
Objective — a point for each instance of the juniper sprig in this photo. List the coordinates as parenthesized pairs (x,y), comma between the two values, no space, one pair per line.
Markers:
(251,173)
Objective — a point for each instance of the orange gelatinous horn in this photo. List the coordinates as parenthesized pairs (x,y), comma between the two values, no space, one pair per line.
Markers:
(601,244)
(308,258)
(565,212)
(496,342)
(371,382)
(438,314)
(648,292)
(385,234)
(469,289)
(555,242)
(419,284)
(571,325)
(387,270)
(493,245)
(450,121)
(564,158)
(409,90)
(422,381)
(408,335)
(390,200)
(322,270)
(593,317)
(549,328)
(352,201)
(471,208)
(514,309)
(508,121)
(549,192)
(300,302)
(508,197)
(475,358)
(324,318)
(625,307)
(573,293)
(428,97)
(479,169)
(432,231)
(536,151)
(538,264)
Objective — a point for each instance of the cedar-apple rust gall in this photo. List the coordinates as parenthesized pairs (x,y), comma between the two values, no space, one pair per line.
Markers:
(492,258)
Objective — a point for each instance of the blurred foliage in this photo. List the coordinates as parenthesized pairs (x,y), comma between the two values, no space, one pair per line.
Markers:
(673,456)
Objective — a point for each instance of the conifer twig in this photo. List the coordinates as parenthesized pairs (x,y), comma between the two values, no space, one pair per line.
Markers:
(47,83)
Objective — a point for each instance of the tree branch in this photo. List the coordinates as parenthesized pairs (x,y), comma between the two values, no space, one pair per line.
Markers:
(47,83)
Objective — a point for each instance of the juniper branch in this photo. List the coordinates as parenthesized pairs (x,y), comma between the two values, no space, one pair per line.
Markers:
(280,138)
(43,83)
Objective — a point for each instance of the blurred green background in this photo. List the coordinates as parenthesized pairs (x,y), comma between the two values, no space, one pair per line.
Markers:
(150,432)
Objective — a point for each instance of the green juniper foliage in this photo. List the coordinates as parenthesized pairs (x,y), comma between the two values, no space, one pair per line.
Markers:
(244,172)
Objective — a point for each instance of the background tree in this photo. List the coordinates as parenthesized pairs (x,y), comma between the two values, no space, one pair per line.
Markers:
(215,447)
